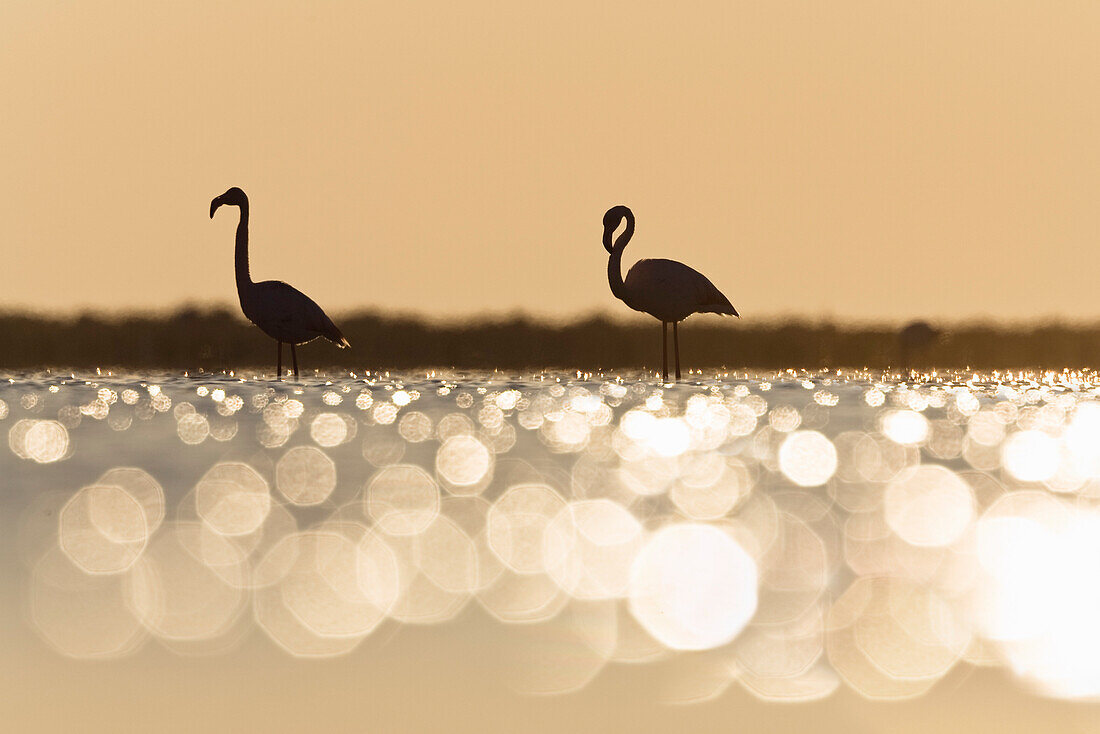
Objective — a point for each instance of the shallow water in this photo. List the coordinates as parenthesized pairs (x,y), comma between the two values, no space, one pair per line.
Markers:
(790,537)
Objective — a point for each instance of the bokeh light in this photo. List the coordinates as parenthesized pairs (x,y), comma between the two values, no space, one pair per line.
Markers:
(402,500)
(928,505)
(807,458)
(463,462)
(693,587)
(788,534)
(232,498)
(305,476)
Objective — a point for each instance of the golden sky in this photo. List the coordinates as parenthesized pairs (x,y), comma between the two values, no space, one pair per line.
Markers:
(871,160)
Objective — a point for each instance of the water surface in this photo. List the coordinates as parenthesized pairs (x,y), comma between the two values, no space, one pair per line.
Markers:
(733,541)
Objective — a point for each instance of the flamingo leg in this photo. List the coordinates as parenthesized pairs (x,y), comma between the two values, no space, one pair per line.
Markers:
(664,349)
(294,356)
(278,360)
(676,347)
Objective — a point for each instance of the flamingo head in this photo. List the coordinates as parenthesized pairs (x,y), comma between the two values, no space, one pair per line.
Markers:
(611,221)
(233,197)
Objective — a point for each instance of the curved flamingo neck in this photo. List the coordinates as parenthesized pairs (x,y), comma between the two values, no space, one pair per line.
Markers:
(615,261)
(244,279)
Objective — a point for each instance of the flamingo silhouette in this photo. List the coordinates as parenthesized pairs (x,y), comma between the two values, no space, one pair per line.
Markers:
(665,289)
(281,311)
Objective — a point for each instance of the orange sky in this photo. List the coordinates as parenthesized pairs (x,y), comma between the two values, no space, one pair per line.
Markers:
(868,160)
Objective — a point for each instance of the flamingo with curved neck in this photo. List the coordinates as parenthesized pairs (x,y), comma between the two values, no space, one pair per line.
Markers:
(665,289)
(281,311)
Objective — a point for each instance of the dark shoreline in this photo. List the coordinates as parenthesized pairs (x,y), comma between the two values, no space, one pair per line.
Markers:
(213,339)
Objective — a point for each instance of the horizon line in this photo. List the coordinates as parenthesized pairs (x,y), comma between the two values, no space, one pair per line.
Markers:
(608,314)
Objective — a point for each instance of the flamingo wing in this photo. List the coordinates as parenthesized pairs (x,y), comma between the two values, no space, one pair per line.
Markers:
(291,316)
(671,291)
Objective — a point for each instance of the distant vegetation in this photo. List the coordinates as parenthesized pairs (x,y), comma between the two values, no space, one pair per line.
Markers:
(215,339)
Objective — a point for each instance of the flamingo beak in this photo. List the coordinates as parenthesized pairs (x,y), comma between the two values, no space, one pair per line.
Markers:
(214,206)
(607,232)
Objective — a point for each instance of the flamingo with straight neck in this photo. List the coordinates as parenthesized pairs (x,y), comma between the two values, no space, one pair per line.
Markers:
(281,311)
(665,289)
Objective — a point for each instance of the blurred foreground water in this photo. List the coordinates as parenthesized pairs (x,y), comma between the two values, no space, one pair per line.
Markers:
(455,538)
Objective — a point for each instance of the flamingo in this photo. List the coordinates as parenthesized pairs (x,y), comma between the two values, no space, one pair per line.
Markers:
(281,311)
(665,289)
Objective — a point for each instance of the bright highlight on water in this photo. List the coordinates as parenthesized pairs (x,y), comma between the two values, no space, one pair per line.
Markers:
(789,533)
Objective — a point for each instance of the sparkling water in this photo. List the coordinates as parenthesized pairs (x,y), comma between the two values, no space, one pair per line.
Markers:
(792,534)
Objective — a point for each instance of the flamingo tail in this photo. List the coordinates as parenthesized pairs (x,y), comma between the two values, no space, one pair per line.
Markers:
(335,336)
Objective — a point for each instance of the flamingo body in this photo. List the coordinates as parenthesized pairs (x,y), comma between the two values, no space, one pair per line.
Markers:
(281,311)
(665,289)
(671,291)
(287,315)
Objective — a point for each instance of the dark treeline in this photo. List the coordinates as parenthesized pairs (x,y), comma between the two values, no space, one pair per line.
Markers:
(215,339)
